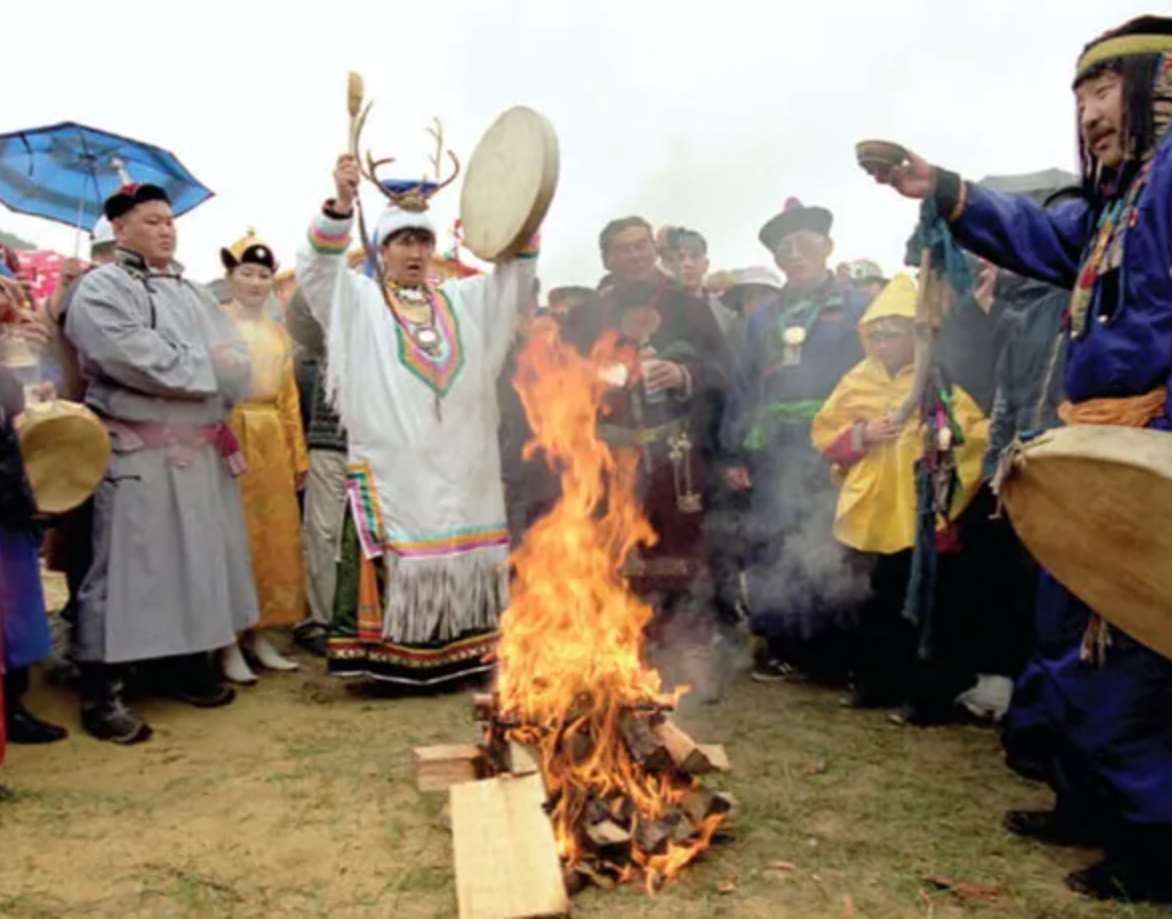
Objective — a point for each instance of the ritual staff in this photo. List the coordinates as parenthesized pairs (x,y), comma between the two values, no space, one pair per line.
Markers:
(170,576)
(267,425)
(1101,696)
(802,586)
(412,370)
(666,408)
(876,513)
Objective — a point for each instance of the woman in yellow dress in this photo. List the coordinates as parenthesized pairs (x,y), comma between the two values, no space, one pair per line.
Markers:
(268,426)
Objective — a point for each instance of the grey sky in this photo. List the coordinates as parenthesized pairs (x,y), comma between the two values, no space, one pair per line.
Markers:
(704,114)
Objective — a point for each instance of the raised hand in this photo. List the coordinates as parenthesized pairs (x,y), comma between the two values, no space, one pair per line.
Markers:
(914,178)
(346,178)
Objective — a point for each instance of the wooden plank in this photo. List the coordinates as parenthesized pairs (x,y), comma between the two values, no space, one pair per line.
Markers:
(507,864)
(436,768)
(717,756)
(522,758)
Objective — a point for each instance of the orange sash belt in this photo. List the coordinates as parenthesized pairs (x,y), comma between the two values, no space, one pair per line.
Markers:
(1128,412)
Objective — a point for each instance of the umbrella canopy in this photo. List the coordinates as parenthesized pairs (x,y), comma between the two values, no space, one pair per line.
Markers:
(1038,185)
(64,172)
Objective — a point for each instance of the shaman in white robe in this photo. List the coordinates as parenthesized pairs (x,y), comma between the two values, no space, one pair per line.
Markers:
(424,476)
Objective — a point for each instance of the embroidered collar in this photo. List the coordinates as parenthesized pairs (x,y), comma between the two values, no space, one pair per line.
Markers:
(135,264)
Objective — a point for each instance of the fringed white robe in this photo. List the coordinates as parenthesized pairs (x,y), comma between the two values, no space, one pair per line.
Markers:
(424,478)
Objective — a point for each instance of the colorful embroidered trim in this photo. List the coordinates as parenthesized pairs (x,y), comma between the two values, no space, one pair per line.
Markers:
(364,506)
(531,248)
(456,542)
(412,665)
(326,242)
(437,372)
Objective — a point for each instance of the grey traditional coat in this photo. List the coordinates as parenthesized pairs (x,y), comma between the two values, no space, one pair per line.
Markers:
(171,572)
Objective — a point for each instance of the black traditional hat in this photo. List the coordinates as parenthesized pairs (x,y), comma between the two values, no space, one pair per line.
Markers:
(248,250)
(130,196)
(796,216)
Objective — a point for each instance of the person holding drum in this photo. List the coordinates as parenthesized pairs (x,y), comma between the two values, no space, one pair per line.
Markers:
(1094,704)
(413,369)
(24,630)
(171,577)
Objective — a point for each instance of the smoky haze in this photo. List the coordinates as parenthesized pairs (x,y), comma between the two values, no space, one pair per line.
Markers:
(703,114)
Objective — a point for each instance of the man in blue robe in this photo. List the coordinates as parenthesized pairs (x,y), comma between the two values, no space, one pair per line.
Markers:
(802,585)
(1096,712)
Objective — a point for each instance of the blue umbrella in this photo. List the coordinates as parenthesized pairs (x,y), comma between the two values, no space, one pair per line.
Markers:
(64,172)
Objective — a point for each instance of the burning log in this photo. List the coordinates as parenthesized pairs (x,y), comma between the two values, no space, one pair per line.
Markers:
(717,756)
(484,706)
(644,744)
(652,836)
(436,768)
(606,834)
(687,755)
(700,804)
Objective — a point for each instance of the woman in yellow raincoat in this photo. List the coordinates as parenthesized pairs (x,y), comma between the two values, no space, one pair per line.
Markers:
(268,426)
(876,511)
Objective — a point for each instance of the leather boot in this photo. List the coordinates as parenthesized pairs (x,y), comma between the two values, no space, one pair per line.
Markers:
(104,714)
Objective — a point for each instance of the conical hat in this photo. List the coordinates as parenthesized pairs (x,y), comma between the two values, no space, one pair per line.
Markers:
(65,450)
(1092,503)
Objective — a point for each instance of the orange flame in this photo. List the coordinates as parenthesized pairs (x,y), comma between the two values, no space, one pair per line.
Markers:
(571,649)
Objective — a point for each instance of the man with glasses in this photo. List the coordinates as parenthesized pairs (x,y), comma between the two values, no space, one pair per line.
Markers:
(801,583)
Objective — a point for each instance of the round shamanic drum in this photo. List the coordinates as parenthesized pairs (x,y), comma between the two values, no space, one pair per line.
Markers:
(65,449)
(509,184)
(1093,505)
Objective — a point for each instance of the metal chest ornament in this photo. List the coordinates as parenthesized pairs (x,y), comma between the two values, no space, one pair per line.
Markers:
(792,338)
(688,500)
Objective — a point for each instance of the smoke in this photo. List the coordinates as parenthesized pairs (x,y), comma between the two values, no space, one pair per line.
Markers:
(802,583)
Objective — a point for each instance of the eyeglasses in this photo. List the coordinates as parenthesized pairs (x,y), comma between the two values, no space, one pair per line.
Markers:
(802,244)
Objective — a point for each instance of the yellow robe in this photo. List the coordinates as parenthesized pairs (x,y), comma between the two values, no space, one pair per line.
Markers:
(877,501)
(268,426)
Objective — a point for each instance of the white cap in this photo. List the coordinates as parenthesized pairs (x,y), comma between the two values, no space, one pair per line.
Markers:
(863,269)
(757,275)
(396,218)
(102,234)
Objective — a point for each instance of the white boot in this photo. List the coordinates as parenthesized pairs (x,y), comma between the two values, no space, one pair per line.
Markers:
(235,668)
(268,656)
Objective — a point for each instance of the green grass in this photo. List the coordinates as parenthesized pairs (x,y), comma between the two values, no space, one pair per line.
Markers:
(277,807)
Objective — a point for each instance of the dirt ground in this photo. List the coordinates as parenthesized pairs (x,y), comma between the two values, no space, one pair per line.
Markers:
(298,800)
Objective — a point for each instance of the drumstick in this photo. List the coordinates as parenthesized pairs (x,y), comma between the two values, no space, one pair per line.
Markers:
(354,93)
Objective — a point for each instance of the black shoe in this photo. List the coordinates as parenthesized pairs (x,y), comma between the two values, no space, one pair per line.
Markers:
(193,679)
(112,720)
(6,794)
(932,716)
(312,638)
(869,699)
(203,695)
(1116,879)
(1050,828)
(23,727)
(775,671)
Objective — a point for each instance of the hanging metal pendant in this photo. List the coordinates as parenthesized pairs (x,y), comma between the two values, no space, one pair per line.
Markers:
(792,338)
(427,338)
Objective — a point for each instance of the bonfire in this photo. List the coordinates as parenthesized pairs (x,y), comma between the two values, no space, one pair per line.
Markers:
(574,688)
